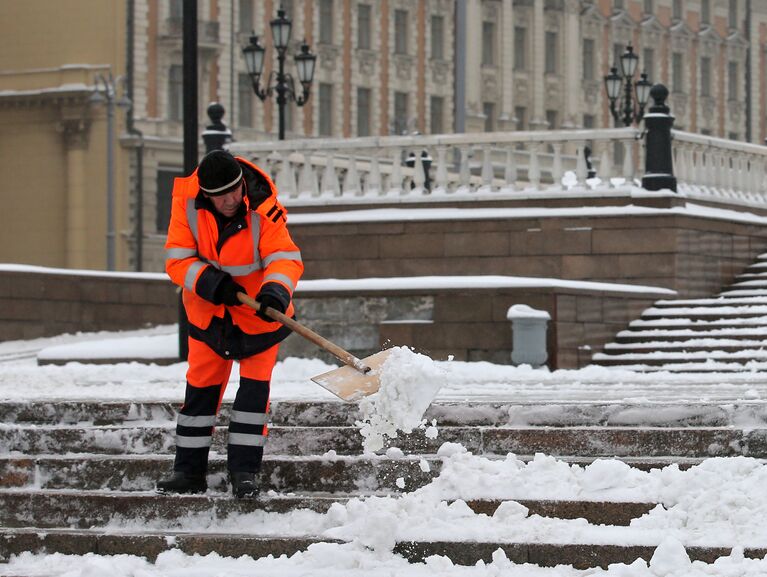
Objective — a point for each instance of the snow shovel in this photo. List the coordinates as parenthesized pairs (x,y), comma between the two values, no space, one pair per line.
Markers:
(358,378)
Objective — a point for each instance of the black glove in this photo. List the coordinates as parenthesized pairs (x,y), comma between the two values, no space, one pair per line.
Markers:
(226,293)
(269,300)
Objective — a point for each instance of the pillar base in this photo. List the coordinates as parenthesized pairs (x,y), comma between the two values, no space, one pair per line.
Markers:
(659,182)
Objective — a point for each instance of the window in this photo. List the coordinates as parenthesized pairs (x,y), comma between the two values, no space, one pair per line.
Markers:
(619,4)
(552,45)
(165,179)
(488,43)
(246,16)
(400,31)
(520,48)
(176,92)
(363,26)
(521,113)
(400,112)
(677,10)
(437,37)
(649,6)
(733,136)
(705,11)
(488,109)
(290,108)
(326,109)
(363,111)
(705,76)
(588,59)
(648,61)
(677,72)
(732,80)
(437,115)
(245,97)
(589,121)
(177,9)
(552,118)
(733,14)
(326,21)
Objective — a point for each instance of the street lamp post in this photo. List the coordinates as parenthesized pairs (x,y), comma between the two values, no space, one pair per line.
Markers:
(106,93)
(623,107)
(280,82)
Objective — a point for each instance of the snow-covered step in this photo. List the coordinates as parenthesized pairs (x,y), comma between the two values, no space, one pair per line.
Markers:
(87,509)
(679,345)
(722,300)
(103,413)
(705,312)
(280,474)
(756,333)
(754,283)
(159,439)
(743,293)
(686,366)
(668,323)
(149,544)
(659,357)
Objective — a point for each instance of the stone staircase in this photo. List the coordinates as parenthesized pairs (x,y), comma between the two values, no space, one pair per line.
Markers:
(78,477)
(726,333)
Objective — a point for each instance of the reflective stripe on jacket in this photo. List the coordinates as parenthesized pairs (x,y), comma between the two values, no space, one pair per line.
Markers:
(257,251)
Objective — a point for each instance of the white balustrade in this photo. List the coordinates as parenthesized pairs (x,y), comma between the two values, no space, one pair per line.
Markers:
(500,165)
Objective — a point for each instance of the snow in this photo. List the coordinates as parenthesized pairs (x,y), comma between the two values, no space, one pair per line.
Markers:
(409,383)
(717,503)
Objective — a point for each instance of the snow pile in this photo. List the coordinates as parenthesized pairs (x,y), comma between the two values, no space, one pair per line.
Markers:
(409,383)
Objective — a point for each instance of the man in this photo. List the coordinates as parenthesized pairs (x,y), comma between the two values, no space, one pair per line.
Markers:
(228,235)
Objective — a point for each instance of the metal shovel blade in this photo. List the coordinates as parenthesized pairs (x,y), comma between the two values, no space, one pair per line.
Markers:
(349,383)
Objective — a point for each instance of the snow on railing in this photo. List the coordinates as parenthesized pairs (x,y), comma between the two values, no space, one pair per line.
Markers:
(460,166)
(720,170)
(501,165)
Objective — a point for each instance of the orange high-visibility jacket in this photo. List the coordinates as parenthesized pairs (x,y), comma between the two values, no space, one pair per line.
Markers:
(255,249)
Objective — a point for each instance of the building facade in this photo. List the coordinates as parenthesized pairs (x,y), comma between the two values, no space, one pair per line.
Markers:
(384,67)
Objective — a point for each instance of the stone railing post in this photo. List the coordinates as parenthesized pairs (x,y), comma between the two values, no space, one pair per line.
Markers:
(659,165)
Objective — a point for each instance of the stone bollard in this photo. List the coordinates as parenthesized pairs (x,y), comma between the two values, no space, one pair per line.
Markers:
(528,327)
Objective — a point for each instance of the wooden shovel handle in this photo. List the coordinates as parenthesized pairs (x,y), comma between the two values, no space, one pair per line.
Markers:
(342,355)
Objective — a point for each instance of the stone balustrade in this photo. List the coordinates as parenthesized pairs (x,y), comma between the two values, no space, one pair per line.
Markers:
(716,169)
(498,165)
(462,166)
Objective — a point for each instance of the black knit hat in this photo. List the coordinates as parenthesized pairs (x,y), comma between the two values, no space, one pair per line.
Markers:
(218,173)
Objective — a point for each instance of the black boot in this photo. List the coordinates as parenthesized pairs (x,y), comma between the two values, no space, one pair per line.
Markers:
(244,485)
(183,483)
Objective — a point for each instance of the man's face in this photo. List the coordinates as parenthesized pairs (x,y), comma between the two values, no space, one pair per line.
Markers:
(227,204)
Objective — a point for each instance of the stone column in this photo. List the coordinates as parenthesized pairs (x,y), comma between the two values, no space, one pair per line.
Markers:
(75,133)
(538,118)
(475,121)
(507,120)
(572,64)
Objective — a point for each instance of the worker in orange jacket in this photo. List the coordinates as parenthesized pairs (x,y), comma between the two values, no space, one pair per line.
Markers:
(228,235)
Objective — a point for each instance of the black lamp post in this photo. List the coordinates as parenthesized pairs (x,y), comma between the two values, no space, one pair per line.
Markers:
(280,82)
(623,107)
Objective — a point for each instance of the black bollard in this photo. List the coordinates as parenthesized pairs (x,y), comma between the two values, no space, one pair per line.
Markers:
(216,134)
(659,164)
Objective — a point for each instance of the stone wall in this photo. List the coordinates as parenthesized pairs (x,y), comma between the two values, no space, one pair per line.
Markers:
(695,256)
(43,303)
(469,325)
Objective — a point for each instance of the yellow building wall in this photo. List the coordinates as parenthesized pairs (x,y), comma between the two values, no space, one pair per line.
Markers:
(52,139)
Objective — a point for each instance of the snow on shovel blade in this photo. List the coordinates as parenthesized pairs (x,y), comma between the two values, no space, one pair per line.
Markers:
(351,384)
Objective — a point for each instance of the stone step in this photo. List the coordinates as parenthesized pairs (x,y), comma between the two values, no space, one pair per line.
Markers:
(583,441)
(280,474)
(316,413)
(684,345)
(151,544)
(720,301)
(344,475)
(739,292)
(661,357)
(90,509)
(700,324)
(484,413)
(649,335)
(701,313)
(725,369)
